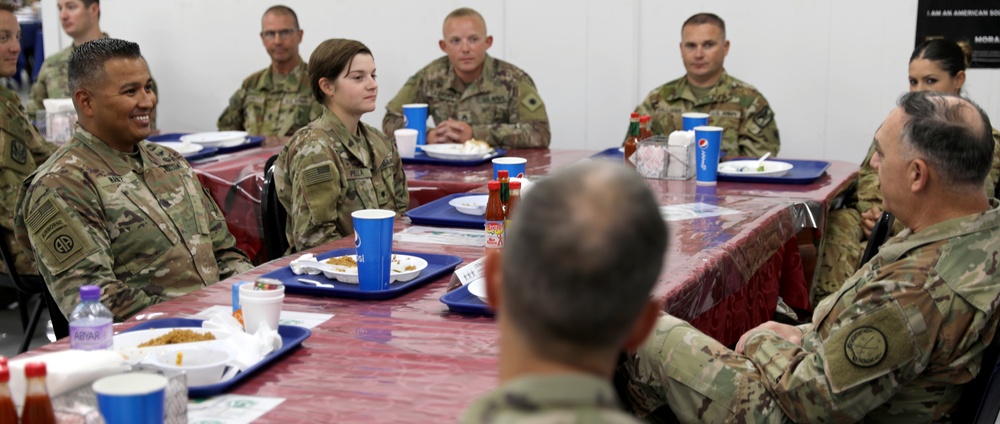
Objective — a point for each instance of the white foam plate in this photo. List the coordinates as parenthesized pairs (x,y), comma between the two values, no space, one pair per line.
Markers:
(215,138)
(397,271)
(478,288)
(127,344)
(185,149)
(454,152)
(470,205)
(772,168)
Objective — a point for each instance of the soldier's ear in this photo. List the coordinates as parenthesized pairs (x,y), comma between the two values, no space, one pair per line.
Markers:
(327,86)
(84,102)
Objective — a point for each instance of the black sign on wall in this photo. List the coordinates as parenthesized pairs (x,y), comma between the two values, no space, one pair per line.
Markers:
(975,22)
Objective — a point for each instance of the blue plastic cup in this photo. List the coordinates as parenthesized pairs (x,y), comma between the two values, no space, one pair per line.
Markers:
(514,166)
(708,141)
(415,117)
(373,239)
(133,398)
(694,119)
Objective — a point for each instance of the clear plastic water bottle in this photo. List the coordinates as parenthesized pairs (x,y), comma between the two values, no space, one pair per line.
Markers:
(90,322)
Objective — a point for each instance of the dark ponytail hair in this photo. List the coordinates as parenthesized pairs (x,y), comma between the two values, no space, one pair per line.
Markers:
(948,54)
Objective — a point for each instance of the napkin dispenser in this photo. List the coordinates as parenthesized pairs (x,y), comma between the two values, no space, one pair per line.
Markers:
(668,158)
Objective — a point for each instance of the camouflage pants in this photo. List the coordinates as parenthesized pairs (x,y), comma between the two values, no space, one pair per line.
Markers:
(839,255)
(697,377)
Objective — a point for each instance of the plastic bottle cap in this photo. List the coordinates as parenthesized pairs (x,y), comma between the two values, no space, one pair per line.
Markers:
(644,118)
(515,184)
(503,173)
(90,292)
(635,115)
(4,374)
(493,185)
(34,369)
(3,360)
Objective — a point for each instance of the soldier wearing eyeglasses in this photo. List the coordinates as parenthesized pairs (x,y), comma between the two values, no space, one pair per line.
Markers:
(473,95)
(277,100)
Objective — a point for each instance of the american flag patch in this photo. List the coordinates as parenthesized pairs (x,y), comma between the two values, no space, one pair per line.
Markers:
(319,174)
(41,215)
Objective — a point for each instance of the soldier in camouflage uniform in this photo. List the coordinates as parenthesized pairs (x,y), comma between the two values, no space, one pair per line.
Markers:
(337,165)
(737,107)
(935,65)
(563,321)
(472,95)
(114,210)
(81,21)
(900,338)
(277,100)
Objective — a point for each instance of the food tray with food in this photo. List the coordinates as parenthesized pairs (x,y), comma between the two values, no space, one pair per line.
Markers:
(424,159)
(802,172)
(437,265)
(463,301)
(442,213)
(291,337)
(251,141)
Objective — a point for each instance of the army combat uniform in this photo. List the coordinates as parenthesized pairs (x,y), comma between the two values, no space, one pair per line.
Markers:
(139,225)
(552,398)
(895,344)
(737,107)
(266,106)
(502,105)
(324,173)
(53,82)
(22,150)
(843,242)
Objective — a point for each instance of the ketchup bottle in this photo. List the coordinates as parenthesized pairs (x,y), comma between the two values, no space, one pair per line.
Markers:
(8,413)
(515,196)
(494,218)
(37,405)
(645,130)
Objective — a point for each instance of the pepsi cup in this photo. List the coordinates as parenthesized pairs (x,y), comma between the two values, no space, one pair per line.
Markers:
(694,119)
(707,144)
(415,117)
(373,239)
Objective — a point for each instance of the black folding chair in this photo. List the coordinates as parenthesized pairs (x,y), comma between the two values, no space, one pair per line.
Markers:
(273,215)
(880,233)
(980,401)
(28,286)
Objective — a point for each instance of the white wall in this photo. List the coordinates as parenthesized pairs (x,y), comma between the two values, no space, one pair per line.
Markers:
(831,69)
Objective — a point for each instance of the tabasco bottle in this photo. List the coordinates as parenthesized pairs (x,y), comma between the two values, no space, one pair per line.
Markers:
(37,405)
(503,176)
(515,196)
(645,130)
(8,413)
(494,218)
(632,140)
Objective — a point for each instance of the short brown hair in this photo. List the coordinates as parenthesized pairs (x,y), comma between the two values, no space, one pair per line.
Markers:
(7,6)
(329,60)
(706,18)
(464,12)
(279,9)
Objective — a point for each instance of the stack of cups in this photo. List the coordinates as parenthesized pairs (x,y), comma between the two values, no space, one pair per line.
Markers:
(261,304)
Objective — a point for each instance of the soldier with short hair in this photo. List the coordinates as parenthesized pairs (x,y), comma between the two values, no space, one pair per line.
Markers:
(277,100)
(737,107)
(114,210)
(470,94)
(902,336)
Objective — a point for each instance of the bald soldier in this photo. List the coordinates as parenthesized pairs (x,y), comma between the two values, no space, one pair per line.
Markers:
(737,107)
(471,94)
(897,342)
(563,322)
(114,210)
(277,100)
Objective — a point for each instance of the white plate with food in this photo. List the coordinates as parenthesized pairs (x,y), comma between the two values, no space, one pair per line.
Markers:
(135,346)
(478,289)
(216,138)
(345,268)
(470,205)
(470,150)
(185,149)
(748,168)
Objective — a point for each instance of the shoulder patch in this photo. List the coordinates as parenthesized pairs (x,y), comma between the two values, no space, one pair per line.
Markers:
(317,174)
(59,244)
(865,347)
(868,347)
(532,102)
(764,117)
(18,152)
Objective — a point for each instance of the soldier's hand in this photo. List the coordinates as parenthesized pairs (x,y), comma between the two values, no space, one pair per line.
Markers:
(789,333)
(868,220)
(458,131)
(437,134)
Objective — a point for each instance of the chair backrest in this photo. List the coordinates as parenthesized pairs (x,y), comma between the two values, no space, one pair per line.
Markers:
(980,401)
(996,191)
(273,215)
(17,279)
(880,233)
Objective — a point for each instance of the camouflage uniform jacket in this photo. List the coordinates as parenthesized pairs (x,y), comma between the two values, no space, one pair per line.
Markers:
(22,150)
(502,105)
(263,107)
(139,225)
(53,82)
(898,340)
(564,398)
(324,173)
(750,129)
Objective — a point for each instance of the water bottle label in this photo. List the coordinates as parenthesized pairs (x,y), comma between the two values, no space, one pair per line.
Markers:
(83,337)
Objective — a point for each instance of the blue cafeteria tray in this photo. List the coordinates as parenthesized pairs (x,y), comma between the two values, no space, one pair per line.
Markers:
(253,141)
(463,302)
(441,214)
(802,172)
(423,159)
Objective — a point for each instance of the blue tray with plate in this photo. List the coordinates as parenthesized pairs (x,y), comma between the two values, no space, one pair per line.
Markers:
(422,159)
(440,213)
(463,302)
(612,153)
(437,266)
(252,141)
(802,172)
(291,337)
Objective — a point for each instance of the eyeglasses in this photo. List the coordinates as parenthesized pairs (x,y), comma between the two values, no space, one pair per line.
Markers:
(271,35)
